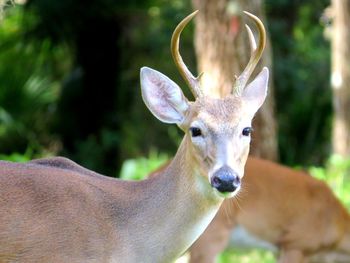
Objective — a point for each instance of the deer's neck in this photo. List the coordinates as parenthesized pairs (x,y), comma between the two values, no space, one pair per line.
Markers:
(174,208)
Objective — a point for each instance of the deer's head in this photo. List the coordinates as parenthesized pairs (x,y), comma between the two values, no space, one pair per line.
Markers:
(217,130)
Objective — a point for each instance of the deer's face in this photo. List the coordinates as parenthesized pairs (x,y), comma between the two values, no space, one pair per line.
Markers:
(217,130)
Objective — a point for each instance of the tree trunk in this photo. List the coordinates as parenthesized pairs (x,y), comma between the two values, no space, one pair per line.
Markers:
(223,50)
(341,77)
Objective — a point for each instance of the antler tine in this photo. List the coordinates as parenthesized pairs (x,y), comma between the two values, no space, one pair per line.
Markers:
(191,81)
(256,52)
(251,39)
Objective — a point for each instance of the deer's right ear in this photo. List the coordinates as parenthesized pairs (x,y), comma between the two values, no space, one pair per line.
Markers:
(162,96)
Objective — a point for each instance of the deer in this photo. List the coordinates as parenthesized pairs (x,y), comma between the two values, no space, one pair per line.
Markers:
(54,210)
(296,212)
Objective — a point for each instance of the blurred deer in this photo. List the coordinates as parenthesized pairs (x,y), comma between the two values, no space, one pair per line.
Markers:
(290,209)
(53,210)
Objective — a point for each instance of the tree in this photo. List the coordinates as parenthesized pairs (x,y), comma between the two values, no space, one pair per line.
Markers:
(340,78)
(223,50)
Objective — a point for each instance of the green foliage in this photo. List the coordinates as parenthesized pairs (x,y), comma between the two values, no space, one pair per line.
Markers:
(17,157)
(246,256)
(137,169)
(337,174)
(29,85)
(301,59)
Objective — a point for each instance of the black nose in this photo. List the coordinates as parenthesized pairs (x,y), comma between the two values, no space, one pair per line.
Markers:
(225,180)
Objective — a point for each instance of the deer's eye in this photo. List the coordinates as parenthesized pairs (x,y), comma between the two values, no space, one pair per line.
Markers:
(195,132)
(247,131)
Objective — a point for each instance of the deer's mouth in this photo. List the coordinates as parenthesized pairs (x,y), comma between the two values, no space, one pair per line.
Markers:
(227,194)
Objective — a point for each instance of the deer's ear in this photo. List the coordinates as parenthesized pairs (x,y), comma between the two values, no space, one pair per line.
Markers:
(255,93)
(162,96)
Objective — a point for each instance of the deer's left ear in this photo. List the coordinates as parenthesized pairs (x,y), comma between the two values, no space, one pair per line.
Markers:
(163,97)
(255,93)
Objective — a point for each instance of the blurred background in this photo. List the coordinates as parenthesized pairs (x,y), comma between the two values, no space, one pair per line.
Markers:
(69,81)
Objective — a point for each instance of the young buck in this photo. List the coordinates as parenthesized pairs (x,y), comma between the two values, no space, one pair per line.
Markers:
(290,209)
(53,210)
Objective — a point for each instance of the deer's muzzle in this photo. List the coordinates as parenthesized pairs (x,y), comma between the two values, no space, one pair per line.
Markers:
(225,180)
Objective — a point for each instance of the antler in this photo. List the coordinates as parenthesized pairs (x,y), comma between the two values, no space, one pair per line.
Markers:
(191,81)
(255,55)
